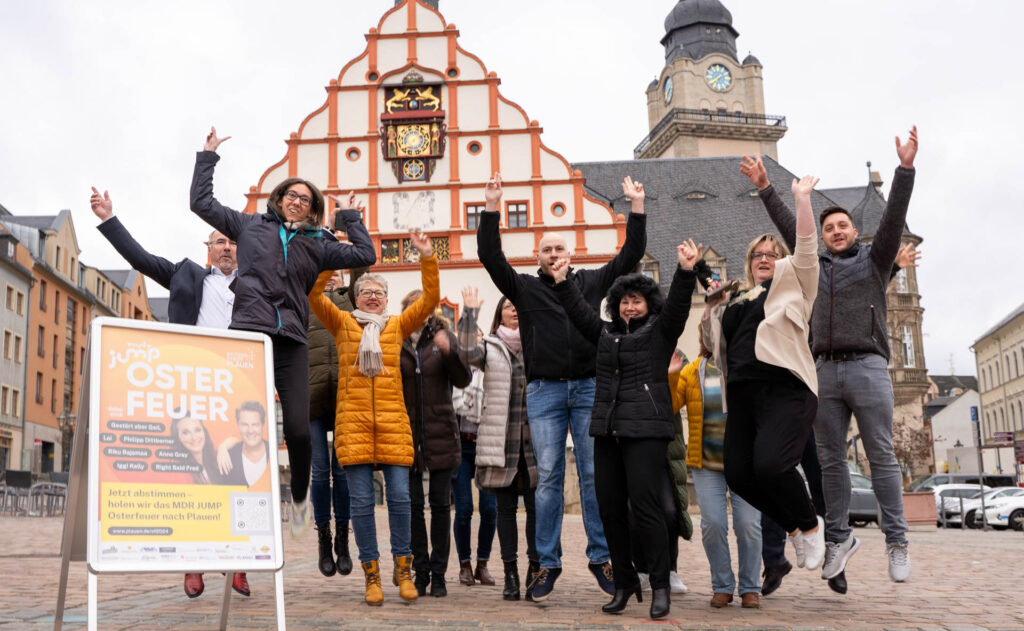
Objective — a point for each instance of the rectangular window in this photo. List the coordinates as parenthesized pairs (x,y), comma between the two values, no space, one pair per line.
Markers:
(473,215)
(901,282)
(517,214)
(56,307)
(85,320)
(17,348)
(21,303)
(39,387)
(389,251)
(81,361)
(909,359)
(8,344)
(98,292)
(10,298)
(42,295)
(39,347)
(54,351)
(57,264)
(5,395)
(53,395)
(15,402)
(73,269)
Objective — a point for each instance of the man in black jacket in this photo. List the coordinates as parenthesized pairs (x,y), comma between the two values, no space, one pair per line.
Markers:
(199,295)
(850,342)
(560,369)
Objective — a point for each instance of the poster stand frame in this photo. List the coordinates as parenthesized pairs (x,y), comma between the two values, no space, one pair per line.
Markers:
(74,537)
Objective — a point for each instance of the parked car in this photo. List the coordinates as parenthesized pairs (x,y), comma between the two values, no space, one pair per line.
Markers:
(863,505)
(930,481)
(971,506)
(947,499)
(1006,512)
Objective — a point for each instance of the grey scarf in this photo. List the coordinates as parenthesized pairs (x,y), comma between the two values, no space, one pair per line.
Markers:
(370,357)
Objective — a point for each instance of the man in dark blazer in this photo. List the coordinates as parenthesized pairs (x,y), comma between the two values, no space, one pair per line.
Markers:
(249,457)
(199,295)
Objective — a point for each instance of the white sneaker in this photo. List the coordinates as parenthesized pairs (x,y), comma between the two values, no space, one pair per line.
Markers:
(645,581)
(676,584)
(899,562)
(814,546)
(798,548)
(299,519)
(837,555)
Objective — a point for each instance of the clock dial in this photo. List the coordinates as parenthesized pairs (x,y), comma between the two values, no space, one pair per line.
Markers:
(413,140)
(668,90)
(718,77)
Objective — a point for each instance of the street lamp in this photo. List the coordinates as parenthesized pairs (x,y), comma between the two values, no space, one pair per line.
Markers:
(66,424)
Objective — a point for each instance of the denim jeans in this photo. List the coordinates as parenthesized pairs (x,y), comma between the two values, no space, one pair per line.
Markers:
(714,526)
(325,470)
(860,386)
(462,490)
(360,488)
(556,408)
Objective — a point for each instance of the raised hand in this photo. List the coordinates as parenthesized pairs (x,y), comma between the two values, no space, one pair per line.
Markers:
(804,186)
(689,253)
(906,152)
(350,203)
(471,297)
(441,342)
(634,191)
(492,192)
(907,256)
(676,363)
(212,141)
(421,242)
(560,269)
(753,168)
(101,205)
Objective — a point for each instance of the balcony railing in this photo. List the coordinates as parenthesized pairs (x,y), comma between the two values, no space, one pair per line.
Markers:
(719,116)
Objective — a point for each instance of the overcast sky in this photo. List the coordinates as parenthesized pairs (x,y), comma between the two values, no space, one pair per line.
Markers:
(121,93)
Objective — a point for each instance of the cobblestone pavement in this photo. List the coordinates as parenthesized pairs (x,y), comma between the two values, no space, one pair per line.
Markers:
(961,581)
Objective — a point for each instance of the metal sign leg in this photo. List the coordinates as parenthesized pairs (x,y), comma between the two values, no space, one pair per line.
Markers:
(93,609)
(226,604)
(279,594)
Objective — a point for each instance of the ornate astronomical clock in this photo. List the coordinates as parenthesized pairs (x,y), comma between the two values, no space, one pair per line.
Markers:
(413,128)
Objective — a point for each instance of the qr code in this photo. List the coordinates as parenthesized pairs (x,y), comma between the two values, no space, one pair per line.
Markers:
(251,513)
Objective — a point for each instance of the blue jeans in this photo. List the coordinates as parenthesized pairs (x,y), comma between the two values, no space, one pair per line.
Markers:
(860,386)
(556,408)
(462,489)
(714,526)
(326,467)
(360,488)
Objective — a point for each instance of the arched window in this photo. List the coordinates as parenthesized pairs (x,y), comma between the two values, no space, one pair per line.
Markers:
(982,375)
(1020,414)
(1002,419)
(988,424)
(1013,417)
(1016,366)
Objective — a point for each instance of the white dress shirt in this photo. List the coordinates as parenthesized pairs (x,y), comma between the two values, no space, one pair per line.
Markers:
(218,300)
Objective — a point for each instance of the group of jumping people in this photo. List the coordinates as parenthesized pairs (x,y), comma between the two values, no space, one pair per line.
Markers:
(799,343)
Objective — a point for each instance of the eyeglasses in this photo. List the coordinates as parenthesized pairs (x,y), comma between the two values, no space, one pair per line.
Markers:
(771,256)
(221,242)
(375,293)
(303,199)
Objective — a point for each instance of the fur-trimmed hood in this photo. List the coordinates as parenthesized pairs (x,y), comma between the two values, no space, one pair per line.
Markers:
(629,284)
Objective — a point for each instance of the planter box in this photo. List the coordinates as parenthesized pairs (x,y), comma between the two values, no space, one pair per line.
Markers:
(919,510)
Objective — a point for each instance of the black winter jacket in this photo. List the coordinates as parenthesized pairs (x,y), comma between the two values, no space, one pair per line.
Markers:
(632,398)
(427,380)
(552,347)
(274,279)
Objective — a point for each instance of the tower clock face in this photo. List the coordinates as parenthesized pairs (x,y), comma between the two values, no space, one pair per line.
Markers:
(668,90)
(718,78)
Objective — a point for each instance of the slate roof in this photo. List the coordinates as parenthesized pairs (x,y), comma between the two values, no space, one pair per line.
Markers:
(123,278)
(159,308)
(937,404)
(946,383)
(40,222)
(1016,312)
(728,217)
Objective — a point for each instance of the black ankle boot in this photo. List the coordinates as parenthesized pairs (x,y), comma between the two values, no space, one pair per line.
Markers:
(659,603)
(341,550)
(437,585)
(531,578)
(422,581)
(621,599)
(323,535)
(511,591)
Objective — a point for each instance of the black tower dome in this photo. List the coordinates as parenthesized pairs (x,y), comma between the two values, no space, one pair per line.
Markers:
(695,28)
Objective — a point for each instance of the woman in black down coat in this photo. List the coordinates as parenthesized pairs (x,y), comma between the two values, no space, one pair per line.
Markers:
(632,417)
(280,254)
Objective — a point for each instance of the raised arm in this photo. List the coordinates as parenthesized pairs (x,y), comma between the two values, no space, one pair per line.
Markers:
(677,306)
(805,254)
(158,268)
(488,242)
(636,238)
(906,257)
(778,212)
(417,313)
(328,313)
(203,203)
(459,373)
(581,314)
(886,242)
(472,352)
(358,252)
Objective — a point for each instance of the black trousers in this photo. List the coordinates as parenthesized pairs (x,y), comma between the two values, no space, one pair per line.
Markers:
(440,497)
(291,378)
(628,475)
(773,536)
(668,503)
(769,424)
(508,526)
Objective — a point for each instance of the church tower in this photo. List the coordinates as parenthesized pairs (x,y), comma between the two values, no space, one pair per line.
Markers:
(706,103)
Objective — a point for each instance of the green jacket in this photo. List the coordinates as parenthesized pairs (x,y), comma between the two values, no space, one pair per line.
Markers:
(677,465)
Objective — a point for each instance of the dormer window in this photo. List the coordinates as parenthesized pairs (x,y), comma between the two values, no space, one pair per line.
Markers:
(695,195)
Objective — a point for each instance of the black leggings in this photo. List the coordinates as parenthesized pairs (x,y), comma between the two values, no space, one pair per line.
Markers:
(773,536)
(508,529)
(291,378)
(431,556)
(769,423)
(668,502)
(629,474)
